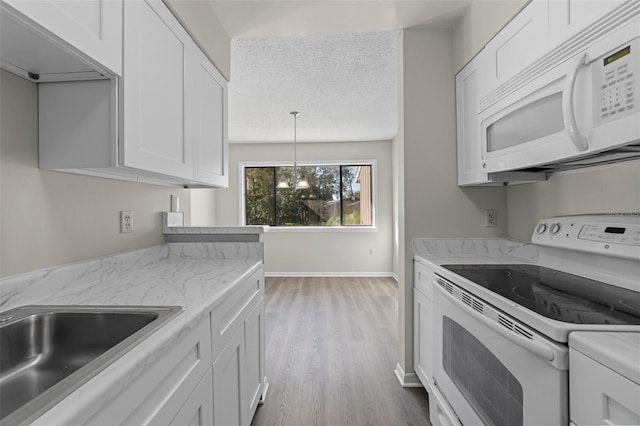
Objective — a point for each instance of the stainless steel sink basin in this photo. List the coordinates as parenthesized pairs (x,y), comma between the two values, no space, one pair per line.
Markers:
(46,352)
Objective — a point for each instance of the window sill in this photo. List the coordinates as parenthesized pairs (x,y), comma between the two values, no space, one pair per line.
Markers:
(320,229)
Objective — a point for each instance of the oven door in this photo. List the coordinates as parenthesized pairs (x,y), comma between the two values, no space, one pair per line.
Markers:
(492,369)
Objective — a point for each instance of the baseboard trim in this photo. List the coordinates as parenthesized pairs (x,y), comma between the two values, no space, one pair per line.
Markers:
(410,380)
(395,277)
(331,274)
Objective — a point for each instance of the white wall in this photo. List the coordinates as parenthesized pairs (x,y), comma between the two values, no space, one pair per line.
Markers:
(434,206)
(613,188)
(203,207)
(300,253)
(49,218)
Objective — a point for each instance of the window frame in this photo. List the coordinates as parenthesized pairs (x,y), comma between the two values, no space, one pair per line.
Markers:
(339,228)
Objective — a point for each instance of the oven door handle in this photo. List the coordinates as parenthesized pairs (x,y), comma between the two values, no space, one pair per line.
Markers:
(540,348)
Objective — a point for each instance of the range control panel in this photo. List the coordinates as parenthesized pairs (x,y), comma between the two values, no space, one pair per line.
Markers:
(615,235)
(617,80)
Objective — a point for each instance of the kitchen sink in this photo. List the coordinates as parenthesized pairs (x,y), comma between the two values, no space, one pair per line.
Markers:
(46,352)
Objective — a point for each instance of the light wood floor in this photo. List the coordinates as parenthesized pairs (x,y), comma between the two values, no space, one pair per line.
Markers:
(331,348)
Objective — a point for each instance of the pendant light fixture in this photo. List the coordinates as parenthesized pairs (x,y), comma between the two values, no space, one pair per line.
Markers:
(302,183)
(297,184)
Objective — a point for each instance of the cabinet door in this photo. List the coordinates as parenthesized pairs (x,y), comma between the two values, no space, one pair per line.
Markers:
(468,126)
(422,337)
(153,91)
(519,43)
(162,389)
(566,17)
(599,395)
(198,409)
(228,383)
(254,353)
(207,121)
(94,27)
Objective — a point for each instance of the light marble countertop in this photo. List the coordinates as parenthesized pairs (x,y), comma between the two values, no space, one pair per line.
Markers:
(617,351)
(175,231)
(215,230)
(441,251)
(195,276)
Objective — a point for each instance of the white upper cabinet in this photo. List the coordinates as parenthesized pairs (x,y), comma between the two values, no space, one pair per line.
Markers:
(518,44)
(164,121)
(154,91)
(174,110)
(93,27)
(469,89)
(207,118)
(467,125)
(566,17)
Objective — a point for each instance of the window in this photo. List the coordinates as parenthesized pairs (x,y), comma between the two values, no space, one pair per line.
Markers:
(338,195)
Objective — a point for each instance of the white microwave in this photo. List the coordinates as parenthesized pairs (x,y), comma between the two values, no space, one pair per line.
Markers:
(579,104)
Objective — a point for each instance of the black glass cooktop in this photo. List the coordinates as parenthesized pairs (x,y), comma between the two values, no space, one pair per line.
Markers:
(557,295)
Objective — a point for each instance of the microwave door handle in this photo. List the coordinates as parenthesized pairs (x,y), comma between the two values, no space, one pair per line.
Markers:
(570,125)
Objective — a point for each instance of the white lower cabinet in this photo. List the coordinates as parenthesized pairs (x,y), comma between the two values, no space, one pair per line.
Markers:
(423,323)
(423,336)
(239,379)
(198,409)
(157,395)
(213,375)
(229,406)
(254,355)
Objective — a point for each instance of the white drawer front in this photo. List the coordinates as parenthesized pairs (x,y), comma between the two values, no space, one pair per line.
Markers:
(423,279)
(600,396)
(157,395)
(232,311)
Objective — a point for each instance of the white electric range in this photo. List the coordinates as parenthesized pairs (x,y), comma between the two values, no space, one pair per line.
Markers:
(501,330)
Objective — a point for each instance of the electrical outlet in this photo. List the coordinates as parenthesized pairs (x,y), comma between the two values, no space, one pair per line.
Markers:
(490,218)
(126,221)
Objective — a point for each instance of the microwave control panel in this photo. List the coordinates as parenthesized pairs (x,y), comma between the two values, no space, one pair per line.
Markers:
(617,79)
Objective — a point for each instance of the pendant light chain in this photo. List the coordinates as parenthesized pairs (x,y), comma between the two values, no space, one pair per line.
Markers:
(295,148)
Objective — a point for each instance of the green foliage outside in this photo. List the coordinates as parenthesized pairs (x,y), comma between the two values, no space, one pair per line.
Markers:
(319,205)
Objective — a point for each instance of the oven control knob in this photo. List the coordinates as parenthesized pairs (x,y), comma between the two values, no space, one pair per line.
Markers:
(541,228)
(555,228)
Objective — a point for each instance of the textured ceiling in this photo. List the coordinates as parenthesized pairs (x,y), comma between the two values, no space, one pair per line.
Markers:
(268,18)
(344,85)
(335,61)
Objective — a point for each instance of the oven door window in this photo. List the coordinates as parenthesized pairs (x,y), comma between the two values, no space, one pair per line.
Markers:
(487,385)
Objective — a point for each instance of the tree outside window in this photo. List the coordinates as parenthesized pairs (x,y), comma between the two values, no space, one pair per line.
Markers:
(338,195)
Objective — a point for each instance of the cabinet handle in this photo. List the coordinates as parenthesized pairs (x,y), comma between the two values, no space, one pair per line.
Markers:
(568,113)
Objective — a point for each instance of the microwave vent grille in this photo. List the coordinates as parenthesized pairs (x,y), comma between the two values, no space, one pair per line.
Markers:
(567,50)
